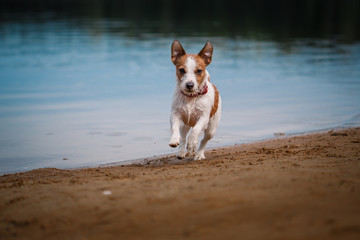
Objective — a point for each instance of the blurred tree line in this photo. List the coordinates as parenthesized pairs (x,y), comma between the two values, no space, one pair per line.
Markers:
(274,19)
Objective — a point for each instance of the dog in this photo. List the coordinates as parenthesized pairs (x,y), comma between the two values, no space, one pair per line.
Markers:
(196,102)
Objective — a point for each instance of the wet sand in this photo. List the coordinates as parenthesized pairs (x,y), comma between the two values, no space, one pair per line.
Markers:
(302,187)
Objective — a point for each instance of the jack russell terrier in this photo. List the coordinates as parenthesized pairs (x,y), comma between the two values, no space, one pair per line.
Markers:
(196,102)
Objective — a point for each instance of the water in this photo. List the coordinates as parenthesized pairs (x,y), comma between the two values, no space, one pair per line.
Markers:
(83,91)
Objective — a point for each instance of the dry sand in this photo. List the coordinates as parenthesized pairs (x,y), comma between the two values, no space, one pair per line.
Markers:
(302,187)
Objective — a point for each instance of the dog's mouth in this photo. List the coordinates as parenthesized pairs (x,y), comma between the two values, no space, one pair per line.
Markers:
(195,93)
(189,93)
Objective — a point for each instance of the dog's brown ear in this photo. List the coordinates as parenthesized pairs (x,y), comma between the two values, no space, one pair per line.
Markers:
(177,51)
(206,53)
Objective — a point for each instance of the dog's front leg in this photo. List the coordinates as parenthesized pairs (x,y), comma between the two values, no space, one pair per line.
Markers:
(175,130)
(195,132)
(184,129)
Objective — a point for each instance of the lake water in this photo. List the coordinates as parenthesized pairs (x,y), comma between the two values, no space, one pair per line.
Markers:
(85,92)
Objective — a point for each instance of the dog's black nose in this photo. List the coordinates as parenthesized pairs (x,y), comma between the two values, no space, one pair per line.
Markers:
(189,85)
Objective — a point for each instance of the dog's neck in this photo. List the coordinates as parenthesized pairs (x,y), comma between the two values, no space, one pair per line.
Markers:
(202,91)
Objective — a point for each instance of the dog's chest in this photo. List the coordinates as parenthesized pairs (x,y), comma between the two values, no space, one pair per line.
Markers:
(190,112)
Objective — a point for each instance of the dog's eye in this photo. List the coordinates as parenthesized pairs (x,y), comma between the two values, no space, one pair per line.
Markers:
(182,71)
(199,71)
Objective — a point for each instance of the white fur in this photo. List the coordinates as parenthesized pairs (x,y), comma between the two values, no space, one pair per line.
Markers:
(193,112)
(189,76)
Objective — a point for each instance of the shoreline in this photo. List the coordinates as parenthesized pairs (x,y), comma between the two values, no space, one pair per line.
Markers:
(293,187)
(144,160)
(277,135)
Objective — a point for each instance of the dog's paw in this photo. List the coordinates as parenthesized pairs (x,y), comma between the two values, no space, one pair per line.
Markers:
(174,142)
(199,156)
(181,155)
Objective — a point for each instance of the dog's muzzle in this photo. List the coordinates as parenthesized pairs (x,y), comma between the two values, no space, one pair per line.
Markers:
(203,91)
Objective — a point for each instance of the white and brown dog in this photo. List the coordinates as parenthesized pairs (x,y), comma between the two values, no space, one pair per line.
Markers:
(196,102)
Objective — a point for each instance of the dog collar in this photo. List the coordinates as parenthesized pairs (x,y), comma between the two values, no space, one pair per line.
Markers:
(203,91)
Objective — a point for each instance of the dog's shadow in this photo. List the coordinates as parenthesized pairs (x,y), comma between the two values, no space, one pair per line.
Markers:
(167,160)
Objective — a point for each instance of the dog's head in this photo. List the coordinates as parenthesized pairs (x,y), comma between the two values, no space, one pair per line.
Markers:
(191,68)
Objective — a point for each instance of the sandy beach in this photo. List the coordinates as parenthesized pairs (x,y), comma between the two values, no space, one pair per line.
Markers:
(301,187)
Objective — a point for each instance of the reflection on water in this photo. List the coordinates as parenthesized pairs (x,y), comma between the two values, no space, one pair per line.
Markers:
(80,89)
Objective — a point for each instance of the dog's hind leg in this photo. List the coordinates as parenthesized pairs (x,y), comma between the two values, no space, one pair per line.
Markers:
(208,134)
(184,129)
(200,153)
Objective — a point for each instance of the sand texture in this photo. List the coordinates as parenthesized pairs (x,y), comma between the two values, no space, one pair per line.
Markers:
(302,187)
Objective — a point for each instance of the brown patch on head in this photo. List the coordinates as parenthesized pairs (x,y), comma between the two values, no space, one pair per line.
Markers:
(200,69)
(180,65)
(216,102)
